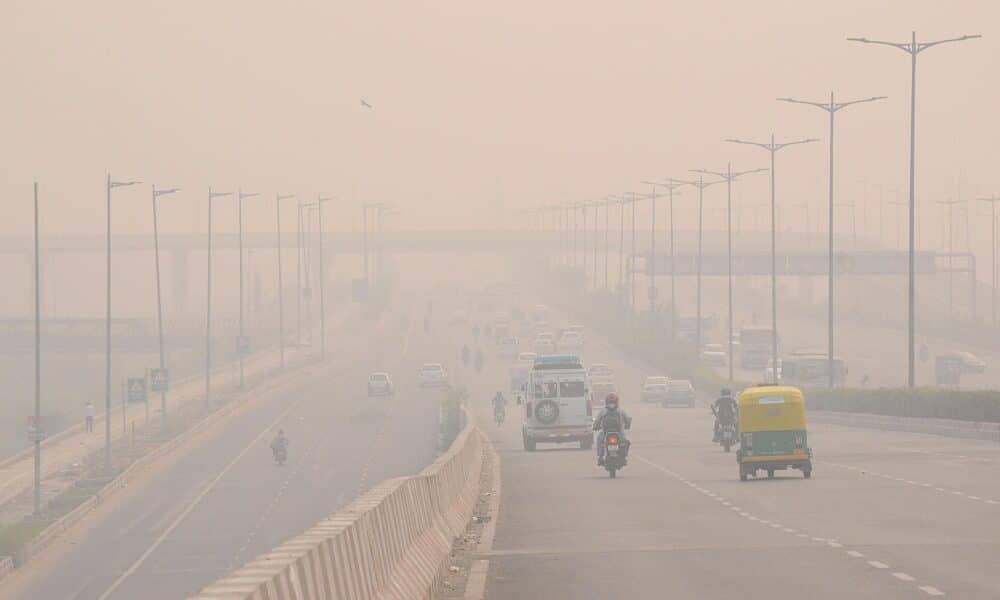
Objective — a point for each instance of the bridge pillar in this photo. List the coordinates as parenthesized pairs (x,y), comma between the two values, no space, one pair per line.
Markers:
(179,278)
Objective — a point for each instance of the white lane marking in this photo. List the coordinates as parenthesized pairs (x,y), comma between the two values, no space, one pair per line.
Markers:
(878,565)
(902,576)
(802,535)
(201,496)
(931,590)
(855,554)
(836,545)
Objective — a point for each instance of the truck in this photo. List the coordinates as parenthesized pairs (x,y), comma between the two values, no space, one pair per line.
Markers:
(557,407)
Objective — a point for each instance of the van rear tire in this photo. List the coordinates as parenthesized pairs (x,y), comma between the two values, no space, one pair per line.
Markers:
(529,444)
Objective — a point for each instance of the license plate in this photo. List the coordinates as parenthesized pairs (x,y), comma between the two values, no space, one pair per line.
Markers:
(613,448)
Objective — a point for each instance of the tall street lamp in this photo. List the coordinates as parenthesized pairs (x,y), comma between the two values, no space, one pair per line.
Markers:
(37,441)
(242,343)
(208,304)
(831,107)
(993,262)
(701,184)
(281,288)
(159,304)
(111,184)
(729,176)
(913,48)
(772,147)
(318,205)
(671,185)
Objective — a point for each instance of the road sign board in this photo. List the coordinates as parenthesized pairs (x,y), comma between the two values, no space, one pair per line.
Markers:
(136,389)
(243,344)
(159,380)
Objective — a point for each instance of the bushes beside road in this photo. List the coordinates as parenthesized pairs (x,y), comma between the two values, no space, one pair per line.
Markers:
(924,402)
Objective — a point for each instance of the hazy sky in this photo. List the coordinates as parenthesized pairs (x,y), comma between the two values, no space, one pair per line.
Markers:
(480,108)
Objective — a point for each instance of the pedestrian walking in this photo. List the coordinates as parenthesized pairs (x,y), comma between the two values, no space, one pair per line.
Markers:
(90,416)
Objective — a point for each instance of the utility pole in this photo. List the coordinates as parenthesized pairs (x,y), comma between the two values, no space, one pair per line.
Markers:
(913,48)
(111,184)
(671,185)
(830,107)
(729,176)
(772,147)
(159,303)
(281,286)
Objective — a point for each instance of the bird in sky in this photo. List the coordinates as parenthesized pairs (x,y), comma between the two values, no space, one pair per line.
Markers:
(365,104)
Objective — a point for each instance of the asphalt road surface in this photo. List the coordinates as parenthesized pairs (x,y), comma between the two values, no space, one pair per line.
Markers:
(886,515)
(221,503)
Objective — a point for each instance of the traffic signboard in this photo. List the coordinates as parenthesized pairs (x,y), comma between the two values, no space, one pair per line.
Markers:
(136,389)
(159,380)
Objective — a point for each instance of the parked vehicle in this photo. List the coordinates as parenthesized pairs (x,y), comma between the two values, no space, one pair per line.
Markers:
(556,405)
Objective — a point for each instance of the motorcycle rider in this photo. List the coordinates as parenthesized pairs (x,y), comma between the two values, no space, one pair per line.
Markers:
(499,403)
(280,443)
(479,359)
(724,409)
(611,418)
(465,355)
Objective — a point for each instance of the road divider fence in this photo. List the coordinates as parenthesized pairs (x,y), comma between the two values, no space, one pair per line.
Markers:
(392,542)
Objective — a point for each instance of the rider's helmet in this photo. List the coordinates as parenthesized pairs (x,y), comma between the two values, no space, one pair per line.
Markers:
(727,393)
(611,401)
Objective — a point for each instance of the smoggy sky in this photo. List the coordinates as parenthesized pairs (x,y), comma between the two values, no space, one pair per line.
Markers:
(480,108)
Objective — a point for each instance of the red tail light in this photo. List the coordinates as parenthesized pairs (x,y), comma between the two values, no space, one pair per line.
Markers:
(612,439)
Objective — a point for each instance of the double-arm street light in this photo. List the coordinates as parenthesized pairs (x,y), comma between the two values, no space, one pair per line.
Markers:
(318,205)
(671,185)
(208,304)
(772,147)
(913,48)
(159,304)
(832,107)
(701,184)
(242,343)
(111,184)
(281,288)
(729,176)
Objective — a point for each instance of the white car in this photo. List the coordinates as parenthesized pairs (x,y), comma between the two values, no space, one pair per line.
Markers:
(654,389)
(570,340)
(600,372)
(433,375)
(380,384)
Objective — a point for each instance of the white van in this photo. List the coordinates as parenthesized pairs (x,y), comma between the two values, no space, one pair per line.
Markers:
(557,407)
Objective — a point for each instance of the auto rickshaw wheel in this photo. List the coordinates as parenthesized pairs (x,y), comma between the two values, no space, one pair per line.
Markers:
(770,473)
(807,472)
(743,474)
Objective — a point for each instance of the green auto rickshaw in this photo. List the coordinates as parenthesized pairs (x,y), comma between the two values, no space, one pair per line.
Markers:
(772,430)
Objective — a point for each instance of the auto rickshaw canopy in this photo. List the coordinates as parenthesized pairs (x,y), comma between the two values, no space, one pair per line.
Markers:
(772,408)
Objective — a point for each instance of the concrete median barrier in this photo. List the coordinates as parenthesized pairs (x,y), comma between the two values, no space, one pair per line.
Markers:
(392,542)
(972,430)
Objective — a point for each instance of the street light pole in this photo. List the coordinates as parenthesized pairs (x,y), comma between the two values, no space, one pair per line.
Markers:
(239,345)
(671,185)
(772,147)
(701,184)
(729,176)
(37,441)
(159,304)
(322,282)
(281,286)
(913,48)
(993,256)
(111,184)
(208,305)
(831,107)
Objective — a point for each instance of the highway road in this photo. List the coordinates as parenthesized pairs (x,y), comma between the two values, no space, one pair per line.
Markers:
(886,515)
(216,505)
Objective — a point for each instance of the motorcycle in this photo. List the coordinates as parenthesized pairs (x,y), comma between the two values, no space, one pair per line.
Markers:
(479,361)
(499,414)
(727,435)
(280,454)
(615,453)
(465,355)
